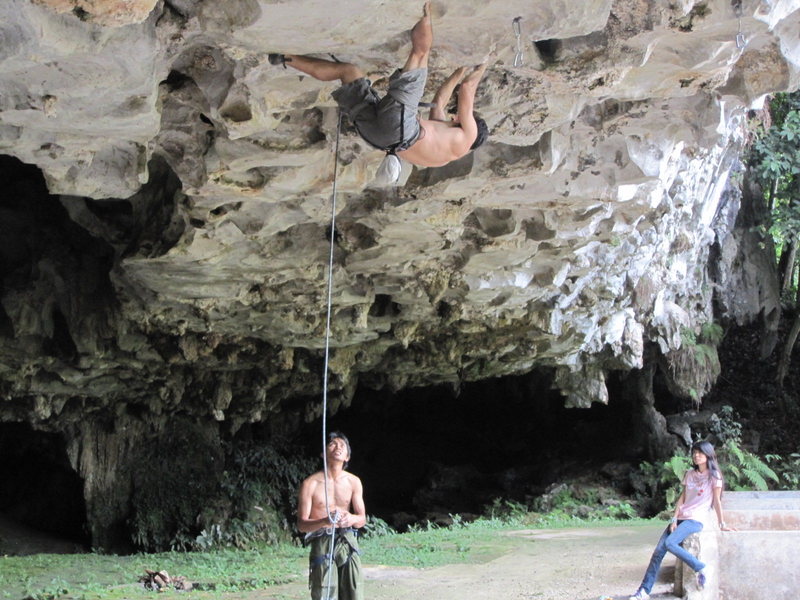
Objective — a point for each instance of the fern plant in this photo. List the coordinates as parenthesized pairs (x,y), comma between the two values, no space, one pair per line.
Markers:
(694,366)
(788,469)
(744,470)
(659,484)
(672,472)
(712,333)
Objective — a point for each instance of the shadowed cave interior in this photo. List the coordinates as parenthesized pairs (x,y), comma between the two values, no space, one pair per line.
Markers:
(427,452)
(422,453)
(40,489)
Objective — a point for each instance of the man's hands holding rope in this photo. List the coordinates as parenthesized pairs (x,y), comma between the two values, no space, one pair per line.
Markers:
(342,518)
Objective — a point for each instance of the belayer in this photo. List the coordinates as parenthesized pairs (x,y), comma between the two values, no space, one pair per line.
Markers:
(391,123)
(330,510)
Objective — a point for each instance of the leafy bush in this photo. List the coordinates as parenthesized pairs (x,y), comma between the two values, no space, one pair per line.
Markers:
(712,333)
(376,527)
(672,476)
(570,503)
(505,511)
(742,469)
(787,469)
(257,496)
(193,492)
(725,425)
(177,475)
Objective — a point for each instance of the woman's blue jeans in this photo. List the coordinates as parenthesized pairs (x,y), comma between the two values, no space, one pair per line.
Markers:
(671,542)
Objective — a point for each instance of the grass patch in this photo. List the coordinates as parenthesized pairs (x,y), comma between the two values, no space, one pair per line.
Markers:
(475,542)
(90,576)
(108,577)
(433,546)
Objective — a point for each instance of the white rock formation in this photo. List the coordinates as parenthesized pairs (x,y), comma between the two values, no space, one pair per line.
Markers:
(579,233)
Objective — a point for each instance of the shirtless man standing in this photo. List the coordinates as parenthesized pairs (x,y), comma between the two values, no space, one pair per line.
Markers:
(345,509)
(391,123)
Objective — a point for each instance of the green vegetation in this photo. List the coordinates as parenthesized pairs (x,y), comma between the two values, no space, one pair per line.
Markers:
(695,365)
(568,504)
(658,485)
(743,470)
(165,507)
(259,482)
(431,545)
(775,165)
(47,576)
(94,576)
(775,159)
(787,469)
(225,496)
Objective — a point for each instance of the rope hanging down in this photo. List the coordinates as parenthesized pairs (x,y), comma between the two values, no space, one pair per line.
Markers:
(332,517)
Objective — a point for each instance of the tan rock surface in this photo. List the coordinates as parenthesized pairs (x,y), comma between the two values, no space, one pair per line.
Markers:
(577,235)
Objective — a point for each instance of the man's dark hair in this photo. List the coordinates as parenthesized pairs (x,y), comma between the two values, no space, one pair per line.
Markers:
(483,131)
(338,434)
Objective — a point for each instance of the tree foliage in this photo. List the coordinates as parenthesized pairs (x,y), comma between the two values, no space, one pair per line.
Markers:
(775,160)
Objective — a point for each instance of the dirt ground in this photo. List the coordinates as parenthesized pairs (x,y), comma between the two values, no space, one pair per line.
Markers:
(552,564)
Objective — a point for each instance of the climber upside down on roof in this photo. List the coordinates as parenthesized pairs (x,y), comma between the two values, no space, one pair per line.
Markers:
(391,123)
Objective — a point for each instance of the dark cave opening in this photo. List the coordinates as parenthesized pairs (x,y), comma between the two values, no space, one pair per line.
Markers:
(548,50)
(61,344)
(40,489)
(667,402)
(427,451)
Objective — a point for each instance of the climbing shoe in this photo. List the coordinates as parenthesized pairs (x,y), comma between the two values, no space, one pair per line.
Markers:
(701,580)
(640,595)
(278,59)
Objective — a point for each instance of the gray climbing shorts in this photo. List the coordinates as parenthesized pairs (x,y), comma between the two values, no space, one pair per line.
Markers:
(388,123)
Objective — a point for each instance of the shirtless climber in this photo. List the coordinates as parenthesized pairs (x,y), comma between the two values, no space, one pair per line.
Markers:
(391,123)
(346,511)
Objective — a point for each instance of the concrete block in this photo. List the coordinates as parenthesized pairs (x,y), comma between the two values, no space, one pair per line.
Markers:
(759,565)
(705,546)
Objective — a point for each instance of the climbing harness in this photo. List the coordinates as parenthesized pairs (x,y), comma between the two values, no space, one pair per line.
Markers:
(341,533)
(741,42)
(332,517)
(519,57)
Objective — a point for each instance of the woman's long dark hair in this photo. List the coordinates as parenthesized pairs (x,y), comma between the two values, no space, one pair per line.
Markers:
(713,465)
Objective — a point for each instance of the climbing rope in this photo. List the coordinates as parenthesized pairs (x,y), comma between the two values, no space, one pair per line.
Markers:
(332,517)
(519,57)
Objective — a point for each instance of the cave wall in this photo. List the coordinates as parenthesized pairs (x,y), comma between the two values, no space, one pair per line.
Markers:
(167,192)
